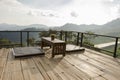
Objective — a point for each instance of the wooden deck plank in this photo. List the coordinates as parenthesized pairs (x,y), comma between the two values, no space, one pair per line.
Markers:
(54,72)
(74,71)
(89,65)
(57,69)
(107,65)
(3,61)
(4,53)
(41,69)
(30,71)
(12,69)
(49,69)
(68,68)
(13,76)
(108,60)
(98,78)
(13,66)
(57,65)
(82,66)
(2,64)
(104,67)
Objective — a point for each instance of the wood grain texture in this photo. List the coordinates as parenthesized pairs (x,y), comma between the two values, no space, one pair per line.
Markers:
(87,65)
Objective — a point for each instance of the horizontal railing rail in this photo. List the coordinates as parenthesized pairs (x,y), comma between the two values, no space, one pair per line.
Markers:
(79,38)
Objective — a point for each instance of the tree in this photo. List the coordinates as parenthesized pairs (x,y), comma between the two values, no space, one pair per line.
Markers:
(88,38)
(47,33)
(71,37)
(31,41)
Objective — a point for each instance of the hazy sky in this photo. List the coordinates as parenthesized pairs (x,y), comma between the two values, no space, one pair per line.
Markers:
(58,12)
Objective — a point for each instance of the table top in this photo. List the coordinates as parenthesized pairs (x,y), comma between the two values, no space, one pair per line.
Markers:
(53,41)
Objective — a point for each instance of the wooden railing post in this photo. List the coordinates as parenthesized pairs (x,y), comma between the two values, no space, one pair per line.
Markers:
(81,40)
(21,38)
(78,38)
(27,38)
(66,36)
(115,50)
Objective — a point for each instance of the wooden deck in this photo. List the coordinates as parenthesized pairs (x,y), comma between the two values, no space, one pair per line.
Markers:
(87,65)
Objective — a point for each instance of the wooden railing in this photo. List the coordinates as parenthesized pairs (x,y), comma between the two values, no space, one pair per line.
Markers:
(63,34)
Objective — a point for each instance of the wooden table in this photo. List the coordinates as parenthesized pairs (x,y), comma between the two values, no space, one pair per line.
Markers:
(58,46)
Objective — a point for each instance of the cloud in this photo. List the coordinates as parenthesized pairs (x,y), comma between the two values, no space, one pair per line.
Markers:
(41,13)
(113,5)
(57,12)
(48,4)
(13,3)
(111,2)
(47,14)
(74,14)
(115,1)
(51,15)
(31,13)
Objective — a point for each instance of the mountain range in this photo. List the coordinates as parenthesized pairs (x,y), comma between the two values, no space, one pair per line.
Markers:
(111,27)
(14,27)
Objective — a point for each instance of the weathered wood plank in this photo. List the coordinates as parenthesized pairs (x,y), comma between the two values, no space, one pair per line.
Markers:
(30,71)
(98,78)
(89,65)
(3,61)
(104,67)
(74,71)
(69,68)
(41,68)
(57,70)
(13,66)
(55,67)
(12,69)
(4,52)
(17,75)
(54,72)
(82,66)
(111,61)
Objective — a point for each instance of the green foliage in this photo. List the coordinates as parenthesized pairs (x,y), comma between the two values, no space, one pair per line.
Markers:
(31,41)
(118,50)
(4,41)
(88,43)
(71,37)
(88,38)
(48,33)
(44,34)
(52,35)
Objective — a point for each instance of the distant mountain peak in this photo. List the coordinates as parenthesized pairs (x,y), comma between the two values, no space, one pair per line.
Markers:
(36,25)
(69,24)
(113,22)
(5,26)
